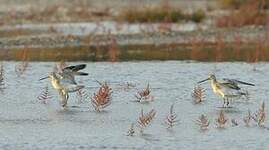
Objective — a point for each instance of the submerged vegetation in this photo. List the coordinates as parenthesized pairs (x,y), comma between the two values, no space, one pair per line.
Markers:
(203,122)
(144,95)
(198,94)
(221,120)
(171,118)
(145,119)
(45,96)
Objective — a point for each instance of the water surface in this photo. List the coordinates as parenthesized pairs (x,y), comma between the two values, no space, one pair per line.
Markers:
(27,124)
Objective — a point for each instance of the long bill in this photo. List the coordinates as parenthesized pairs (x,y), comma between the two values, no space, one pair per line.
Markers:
(203,81)
(44,78)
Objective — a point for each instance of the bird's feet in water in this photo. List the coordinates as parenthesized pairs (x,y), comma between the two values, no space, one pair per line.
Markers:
(64,106)
(226,103)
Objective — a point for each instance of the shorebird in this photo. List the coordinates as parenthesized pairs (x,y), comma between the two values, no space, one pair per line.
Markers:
(227,89)
(64,82)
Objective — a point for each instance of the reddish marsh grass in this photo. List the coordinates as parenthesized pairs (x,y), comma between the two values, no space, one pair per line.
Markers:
(45,96)
(144,95)
(82,95)
(171,118)
(198,94)
(112,49)
(102,98)
(131,130)
(247,118)
(221,120)
(145,119)
(260,115)
(203,122)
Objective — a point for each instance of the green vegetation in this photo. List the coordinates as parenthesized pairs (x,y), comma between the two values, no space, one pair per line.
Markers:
(159,14)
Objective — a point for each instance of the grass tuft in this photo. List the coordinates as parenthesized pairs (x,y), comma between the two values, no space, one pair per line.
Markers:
(160,13)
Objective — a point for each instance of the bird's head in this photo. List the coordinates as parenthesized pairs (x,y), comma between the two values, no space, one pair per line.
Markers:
(211,77)
(51,76)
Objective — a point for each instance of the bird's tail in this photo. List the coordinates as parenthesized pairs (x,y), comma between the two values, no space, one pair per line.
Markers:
(81,73)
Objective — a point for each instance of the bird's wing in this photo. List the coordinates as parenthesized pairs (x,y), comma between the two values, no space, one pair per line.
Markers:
(74,69)
(67,78)
(234,81)
(230,84)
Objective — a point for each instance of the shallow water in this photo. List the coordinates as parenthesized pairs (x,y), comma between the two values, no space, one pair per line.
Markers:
(26,123)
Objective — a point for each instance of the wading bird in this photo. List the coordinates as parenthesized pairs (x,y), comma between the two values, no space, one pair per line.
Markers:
(227,89)
(64,82)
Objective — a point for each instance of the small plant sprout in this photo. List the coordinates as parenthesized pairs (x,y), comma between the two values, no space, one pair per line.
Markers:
(198,94)
(247,118)
(221,120)
(102,98)
(260,115)
(128,86)
(81,95)
(45,96)
(203,122)
(234,122)
(144,120)
(144,95)
(170,120)
(2,78)
(131,130)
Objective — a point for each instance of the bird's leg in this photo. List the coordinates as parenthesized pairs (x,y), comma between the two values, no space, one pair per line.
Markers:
(63,105)
(223,102)
(227,104)
(66,96)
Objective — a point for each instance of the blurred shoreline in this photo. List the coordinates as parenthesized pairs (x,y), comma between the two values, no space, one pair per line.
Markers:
(87,30)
